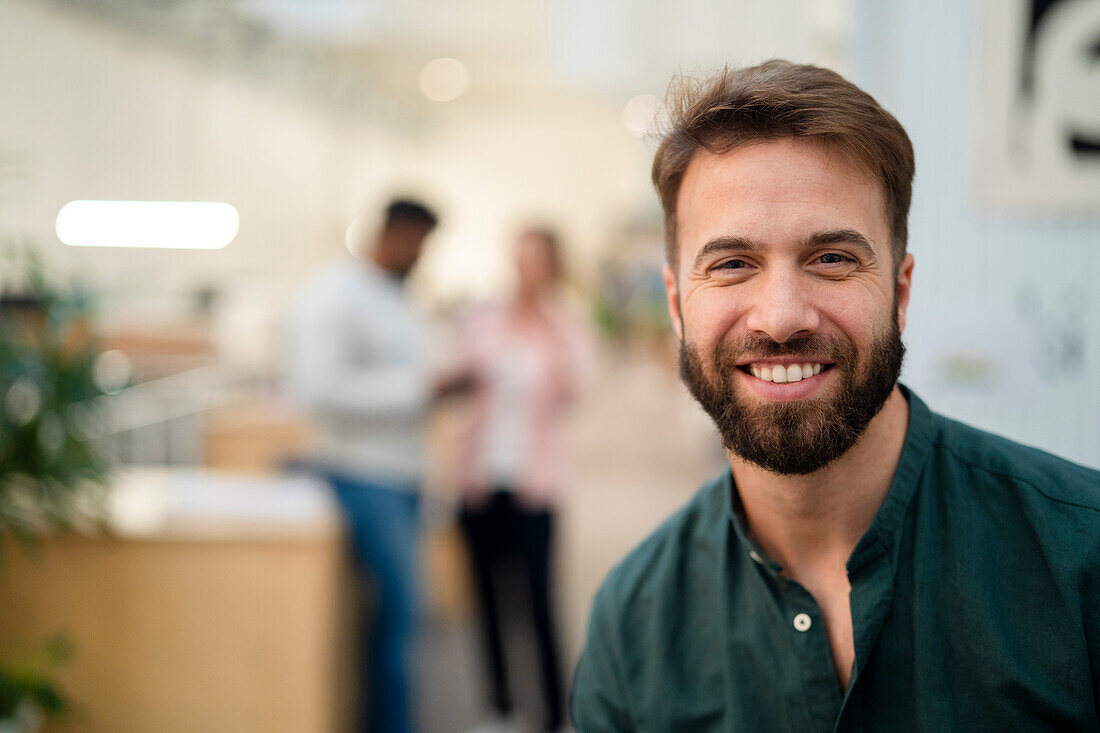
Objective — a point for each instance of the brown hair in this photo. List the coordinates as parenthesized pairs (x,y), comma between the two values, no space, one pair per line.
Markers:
(778,99)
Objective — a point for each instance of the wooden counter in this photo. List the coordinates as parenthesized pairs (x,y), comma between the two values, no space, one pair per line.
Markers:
(219,613)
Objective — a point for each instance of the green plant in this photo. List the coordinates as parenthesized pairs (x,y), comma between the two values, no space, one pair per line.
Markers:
(29,677)
(52,473)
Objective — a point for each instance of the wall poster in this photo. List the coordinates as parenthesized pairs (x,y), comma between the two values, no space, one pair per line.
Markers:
(1035,116)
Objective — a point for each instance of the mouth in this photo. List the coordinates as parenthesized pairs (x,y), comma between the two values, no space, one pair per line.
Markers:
(784,372)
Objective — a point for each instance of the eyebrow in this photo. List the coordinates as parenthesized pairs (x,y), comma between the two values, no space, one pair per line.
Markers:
(731,243)
(843,236)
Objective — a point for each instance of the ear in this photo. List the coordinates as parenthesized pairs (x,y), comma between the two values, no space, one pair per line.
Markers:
(905,283)
(673,295)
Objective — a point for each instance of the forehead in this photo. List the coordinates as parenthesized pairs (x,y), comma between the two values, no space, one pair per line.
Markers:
(530,239)
(776,192)
(406,233)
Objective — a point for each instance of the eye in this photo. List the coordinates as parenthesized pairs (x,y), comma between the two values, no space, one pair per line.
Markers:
(834,258)
(732,265)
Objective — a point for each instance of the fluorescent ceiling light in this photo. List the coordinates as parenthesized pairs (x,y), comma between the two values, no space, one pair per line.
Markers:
(155,224)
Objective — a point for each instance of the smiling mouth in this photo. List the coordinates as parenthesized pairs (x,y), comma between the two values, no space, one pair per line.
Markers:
(784,373)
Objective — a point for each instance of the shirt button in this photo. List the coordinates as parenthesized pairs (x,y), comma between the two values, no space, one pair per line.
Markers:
(756,557)
(802,622)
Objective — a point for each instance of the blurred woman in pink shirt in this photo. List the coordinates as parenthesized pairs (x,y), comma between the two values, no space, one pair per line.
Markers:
(525,358)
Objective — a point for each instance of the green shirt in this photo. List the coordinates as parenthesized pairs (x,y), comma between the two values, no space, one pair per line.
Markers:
(975,607)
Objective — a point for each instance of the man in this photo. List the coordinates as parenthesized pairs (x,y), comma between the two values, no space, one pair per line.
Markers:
(359,363)
(865,564)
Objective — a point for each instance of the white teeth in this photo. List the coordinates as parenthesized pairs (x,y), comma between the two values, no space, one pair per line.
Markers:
(783,374)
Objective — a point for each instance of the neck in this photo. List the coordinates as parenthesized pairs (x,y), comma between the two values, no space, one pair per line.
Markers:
(528,300)
(383,263)
(809,522)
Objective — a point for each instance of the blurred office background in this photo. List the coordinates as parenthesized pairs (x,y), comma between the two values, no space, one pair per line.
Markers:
(221,600)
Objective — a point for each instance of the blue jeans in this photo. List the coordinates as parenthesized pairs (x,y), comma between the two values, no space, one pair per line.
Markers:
(384,521)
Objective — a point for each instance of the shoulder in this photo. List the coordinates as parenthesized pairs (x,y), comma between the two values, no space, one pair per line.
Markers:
(328,284)
(675,556)
(1020,508)
(1040,476)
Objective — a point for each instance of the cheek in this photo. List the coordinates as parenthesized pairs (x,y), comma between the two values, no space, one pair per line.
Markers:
(859,321)
(709,320)
(854,318)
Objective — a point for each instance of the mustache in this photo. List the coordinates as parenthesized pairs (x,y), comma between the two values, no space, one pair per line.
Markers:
(834,349)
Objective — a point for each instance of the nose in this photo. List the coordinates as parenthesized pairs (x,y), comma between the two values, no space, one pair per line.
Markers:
(782,309)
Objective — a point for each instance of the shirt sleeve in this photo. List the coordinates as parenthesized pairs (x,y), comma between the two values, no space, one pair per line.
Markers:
(598,703)
(323,376)
(1090,592)
(573,358)
(462,352)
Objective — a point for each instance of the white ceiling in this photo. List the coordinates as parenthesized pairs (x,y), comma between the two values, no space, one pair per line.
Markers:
(367,53)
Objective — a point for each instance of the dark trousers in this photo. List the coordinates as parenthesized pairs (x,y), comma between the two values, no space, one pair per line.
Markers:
(499,529)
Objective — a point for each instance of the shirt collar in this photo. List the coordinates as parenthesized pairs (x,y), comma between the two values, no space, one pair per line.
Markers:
(736,512)
(369,270)
(883,535)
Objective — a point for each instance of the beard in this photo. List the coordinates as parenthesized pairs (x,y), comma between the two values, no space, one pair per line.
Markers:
(801,437)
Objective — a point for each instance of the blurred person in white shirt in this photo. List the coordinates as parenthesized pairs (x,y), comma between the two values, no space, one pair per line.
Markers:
(359,362)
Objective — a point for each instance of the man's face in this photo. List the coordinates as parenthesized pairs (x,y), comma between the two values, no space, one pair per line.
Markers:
(401,245)
(784,261)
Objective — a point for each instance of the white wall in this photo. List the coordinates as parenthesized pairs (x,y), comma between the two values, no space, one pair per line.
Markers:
(99,114)
(104,114)
(977,272)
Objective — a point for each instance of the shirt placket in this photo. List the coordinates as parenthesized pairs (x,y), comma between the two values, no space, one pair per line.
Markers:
(805,626)
(871,596)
